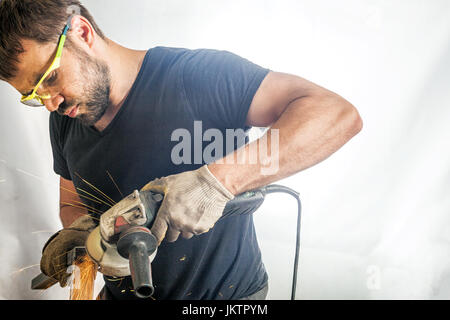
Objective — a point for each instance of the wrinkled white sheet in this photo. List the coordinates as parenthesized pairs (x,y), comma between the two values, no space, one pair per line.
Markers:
(376,221)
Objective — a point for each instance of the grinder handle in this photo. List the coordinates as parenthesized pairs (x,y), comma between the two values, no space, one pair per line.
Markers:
(244,203)
(137,244)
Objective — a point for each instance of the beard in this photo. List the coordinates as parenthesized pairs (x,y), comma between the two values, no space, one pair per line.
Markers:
(96,87)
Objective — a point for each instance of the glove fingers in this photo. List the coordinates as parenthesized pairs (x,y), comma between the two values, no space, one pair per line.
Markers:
(172,235)
(159,229)
(187,235)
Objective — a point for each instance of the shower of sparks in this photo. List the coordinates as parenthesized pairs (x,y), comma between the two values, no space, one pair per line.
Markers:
(89,207)
(88,268)
(79,189)
(43,180)
(83,287)
(96,189)
(80,195)
(80,207)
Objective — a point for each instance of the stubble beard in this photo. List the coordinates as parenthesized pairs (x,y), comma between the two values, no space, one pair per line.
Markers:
(96,87)
(96,92)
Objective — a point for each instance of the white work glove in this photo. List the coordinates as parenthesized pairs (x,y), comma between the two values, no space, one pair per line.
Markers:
(193,202)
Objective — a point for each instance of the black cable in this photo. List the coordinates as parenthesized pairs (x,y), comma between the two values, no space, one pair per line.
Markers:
(275,188)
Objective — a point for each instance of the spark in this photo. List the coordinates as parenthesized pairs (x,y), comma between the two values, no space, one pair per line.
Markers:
(114,183)
(30,174)
(42,231)
(80,207)
(24,268)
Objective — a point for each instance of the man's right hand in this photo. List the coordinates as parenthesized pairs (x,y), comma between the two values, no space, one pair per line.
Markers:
(54,253)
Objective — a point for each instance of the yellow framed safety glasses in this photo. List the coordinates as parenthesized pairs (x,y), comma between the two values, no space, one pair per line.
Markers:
(33,99)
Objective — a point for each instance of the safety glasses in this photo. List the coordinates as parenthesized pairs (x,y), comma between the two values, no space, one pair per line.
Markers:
(34,99)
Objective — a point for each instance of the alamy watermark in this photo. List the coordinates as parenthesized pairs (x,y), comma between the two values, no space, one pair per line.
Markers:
(189,149)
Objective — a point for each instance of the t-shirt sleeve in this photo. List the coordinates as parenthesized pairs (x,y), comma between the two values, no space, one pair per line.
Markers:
(59,163)
(220,85)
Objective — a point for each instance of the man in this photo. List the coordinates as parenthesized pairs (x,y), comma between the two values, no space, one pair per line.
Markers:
(114,117)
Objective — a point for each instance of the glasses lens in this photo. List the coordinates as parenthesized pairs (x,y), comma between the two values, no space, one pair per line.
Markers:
(33,103)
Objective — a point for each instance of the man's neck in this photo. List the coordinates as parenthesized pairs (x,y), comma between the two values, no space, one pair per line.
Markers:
(124,65)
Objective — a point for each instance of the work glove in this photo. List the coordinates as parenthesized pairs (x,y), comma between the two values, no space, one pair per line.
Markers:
(54,253)
(193,202)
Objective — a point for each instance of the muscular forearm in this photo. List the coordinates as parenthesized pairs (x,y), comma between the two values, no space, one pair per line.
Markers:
(69,214)
(309,130)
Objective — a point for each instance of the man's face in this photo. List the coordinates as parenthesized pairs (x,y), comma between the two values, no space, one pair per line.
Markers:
(79,88)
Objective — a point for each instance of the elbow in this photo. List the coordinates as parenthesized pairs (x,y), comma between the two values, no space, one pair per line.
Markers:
(356,120)
(350,118)
(343,114)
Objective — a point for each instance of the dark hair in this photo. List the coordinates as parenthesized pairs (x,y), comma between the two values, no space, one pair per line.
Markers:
(39,20)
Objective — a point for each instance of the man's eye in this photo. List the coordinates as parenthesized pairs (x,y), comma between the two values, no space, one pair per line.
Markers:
(51,78)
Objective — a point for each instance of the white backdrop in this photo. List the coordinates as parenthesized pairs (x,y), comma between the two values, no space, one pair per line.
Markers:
(376,221)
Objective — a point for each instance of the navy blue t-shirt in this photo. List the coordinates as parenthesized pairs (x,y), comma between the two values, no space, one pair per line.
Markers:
(174,88)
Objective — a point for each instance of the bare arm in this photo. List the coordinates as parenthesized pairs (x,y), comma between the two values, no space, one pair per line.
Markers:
(68,195)
(312,123)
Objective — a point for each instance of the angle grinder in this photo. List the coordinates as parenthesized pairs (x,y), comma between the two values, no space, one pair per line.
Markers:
(123,244)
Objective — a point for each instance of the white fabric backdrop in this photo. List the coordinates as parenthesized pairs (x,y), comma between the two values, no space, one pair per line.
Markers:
(376,219)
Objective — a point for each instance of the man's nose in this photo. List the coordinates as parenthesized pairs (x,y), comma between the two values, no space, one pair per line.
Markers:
(53,103)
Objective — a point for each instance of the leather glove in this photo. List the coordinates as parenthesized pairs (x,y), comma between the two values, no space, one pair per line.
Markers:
(54,253)
(193,202)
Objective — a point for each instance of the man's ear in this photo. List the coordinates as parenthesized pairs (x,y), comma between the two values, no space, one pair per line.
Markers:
(82,32)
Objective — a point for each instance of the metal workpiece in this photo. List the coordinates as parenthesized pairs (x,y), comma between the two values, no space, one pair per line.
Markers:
(42,282)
